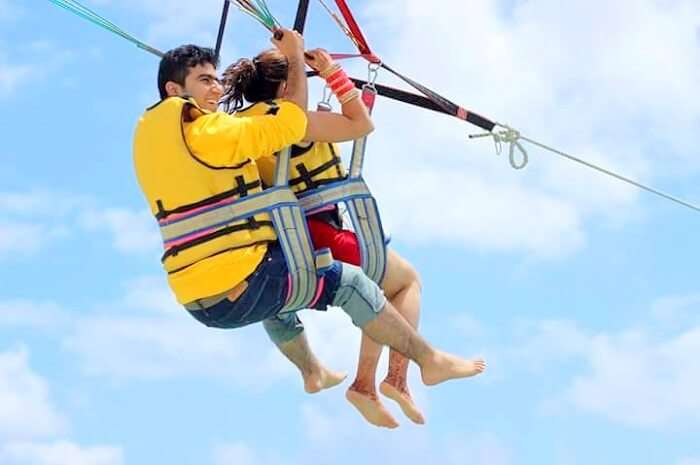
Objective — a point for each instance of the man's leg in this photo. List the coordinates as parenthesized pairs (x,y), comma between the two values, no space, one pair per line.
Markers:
(402,288)
(365,303)
(287,332)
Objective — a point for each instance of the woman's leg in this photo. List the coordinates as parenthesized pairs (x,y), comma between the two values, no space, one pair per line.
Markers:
(402,288)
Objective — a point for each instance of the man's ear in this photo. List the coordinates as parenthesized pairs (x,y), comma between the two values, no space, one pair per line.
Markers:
(173,89)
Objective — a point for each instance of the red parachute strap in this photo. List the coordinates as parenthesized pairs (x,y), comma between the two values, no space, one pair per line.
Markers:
(345,56)
(362,44)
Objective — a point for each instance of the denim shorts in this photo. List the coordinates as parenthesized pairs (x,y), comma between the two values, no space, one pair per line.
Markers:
(265,295)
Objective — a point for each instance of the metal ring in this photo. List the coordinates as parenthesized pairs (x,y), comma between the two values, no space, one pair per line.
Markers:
(327,94)
(373,72)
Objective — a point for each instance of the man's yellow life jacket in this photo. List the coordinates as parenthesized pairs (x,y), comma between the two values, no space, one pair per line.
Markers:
(177,184)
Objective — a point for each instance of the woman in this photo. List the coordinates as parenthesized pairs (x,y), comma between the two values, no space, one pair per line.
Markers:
(261,81)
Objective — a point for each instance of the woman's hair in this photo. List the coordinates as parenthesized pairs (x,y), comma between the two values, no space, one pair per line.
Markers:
(255,80)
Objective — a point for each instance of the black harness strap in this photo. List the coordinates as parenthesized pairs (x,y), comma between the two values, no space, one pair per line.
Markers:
(219,253)
(222,28)
(302,12)
(307,176)
(336,157)
(298,150)
(240,190)
(172,251)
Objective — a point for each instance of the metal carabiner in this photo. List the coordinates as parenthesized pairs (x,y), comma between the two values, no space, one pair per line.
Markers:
(372,73)
(325,103)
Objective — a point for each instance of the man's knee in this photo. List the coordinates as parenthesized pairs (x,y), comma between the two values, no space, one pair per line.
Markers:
(283,327)
(359,296)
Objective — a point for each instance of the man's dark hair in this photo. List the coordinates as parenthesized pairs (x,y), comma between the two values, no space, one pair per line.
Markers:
(176,64)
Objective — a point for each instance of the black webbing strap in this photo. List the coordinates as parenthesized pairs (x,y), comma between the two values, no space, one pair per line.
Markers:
(306,176)
(302,12)
(246,225)
(222,28)
(240,190)
(424,102)
(298,150)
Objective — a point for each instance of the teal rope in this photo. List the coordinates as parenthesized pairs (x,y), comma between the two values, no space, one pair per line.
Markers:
(267,14)
(86,13)
(259,11)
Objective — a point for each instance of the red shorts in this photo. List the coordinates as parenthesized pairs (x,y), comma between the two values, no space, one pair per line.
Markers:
(343,243)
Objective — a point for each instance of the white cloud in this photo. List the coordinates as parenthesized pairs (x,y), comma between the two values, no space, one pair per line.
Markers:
(477,449)
(638,381)
(333,430)
(470,327)
(43,203)
(131,231)
(151,293)
(642,377)
(58,453)
(689,461)
(240,453)
(11,76)
(21,238)
(162,341)
(154,348)
(36,62)
(28,421)
(332,337)
(174,19)
(26,239)
(474,213)
(37,218)
(30,221)
(616,101)
(673,310)
(35,315)
(25,409)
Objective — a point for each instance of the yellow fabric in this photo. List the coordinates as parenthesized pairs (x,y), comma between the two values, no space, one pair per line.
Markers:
(223,140)
(318,154)
(175,163)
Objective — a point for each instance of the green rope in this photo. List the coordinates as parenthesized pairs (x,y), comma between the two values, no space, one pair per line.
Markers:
(268,14)
(259,11)
(86,13)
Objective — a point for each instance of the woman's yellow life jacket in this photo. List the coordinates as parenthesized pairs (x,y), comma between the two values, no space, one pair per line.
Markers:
(177,183)
(310,167)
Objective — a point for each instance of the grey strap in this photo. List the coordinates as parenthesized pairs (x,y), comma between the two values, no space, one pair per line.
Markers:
(333,194)
(370,234)
(227,214)
(282,167)
(365,218)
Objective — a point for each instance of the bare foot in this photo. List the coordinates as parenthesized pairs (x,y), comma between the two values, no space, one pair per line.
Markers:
(317,381)
(443,366)
(403,398)
(371,408)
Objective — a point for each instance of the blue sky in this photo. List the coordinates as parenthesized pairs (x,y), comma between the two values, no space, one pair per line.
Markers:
(581,292)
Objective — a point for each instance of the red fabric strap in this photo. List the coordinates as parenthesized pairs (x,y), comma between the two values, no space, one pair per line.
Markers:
(354,28)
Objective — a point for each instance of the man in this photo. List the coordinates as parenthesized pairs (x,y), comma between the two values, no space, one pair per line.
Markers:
(188,157)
